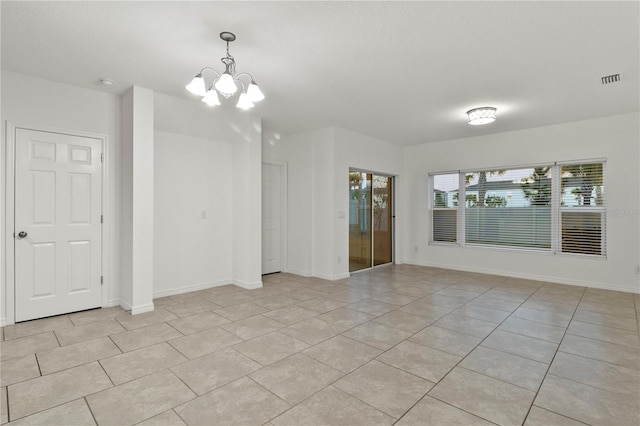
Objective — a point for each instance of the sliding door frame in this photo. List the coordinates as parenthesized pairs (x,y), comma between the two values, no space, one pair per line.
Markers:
(392,205)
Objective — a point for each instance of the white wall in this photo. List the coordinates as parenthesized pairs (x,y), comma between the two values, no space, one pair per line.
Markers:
(614,138)
(353,150)
(318,165)
(191,202)
(208,159)
(36,102)
(297,152)
(246,180)
(32,101)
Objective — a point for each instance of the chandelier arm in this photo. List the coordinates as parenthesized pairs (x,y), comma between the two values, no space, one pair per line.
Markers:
(240,81)
(211,69)
(235,77)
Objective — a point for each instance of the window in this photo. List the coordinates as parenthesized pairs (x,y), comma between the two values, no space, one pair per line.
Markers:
(557,208)
(445,211)
(511,207)
(582,208)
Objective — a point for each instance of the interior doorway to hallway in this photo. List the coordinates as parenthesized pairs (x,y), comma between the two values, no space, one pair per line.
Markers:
(370,219)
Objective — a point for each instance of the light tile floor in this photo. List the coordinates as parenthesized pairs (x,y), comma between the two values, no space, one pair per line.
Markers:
(403,345)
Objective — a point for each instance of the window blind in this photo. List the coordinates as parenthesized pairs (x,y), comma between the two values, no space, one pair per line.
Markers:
(558,208)
(583,208)
(509,207)
(445,207)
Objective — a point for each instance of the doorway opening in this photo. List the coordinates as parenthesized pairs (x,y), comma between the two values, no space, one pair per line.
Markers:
(370,219)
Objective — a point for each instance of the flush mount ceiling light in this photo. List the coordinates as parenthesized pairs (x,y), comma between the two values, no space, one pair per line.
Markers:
(225,83)
(482,115)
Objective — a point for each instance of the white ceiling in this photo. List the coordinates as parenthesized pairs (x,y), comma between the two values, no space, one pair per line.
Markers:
(404,72)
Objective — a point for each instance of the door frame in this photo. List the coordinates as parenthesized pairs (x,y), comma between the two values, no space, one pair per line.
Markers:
(10,211)
(283,212)
(393,218)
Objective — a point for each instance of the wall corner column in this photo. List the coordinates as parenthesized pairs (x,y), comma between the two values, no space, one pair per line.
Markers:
(137,200)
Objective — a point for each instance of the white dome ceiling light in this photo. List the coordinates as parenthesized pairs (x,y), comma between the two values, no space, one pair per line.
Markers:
(482,115)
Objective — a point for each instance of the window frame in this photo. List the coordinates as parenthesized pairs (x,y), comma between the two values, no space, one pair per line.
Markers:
(432,208)
(556,210)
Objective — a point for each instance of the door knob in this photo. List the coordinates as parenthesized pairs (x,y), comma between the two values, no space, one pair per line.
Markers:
(22,234)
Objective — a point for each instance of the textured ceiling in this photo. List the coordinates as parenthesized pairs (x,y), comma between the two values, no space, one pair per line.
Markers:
(404,72)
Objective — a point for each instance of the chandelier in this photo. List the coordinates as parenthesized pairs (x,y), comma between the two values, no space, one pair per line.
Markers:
(225,83)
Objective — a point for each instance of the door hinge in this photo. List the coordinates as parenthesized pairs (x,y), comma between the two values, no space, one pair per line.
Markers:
(102,158)
(101,219)
(101,279)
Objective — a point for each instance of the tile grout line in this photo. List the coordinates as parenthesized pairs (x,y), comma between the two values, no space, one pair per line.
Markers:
(553,358)
(106,374)
(480,343)
(452,368)
(6,390)
(398,307)
(291,406)
(90,410)
(431,324)
(346,374)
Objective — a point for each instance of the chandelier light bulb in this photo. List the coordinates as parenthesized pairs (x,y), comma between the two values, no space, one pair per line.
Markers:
(254,92)
(482,115)
(225,85)
(244,102)
(197,86)
(211,98)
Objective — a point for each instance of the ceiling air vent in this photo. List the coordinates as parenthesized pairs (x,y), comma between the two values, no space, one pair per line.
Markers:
(613,78)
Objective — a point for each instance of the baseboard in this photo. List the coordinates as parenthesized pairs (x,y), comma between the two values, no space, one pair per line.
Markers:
(544,278)
(125,305)
(111,303)
(189,288)
(141,309)
(341,276)
(333,277)
(138,309)
(297,272)
(321,276)
(3,322)
(246,285)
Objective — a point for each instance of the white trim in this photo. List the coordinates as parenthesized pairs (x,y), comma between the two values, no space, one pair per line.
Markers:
(9,209)
(10,132)
(334,277)
(124,305)
(3,322)
(298,272)
(246,285)
(135,310)
(189,288)
(284,204)
(141,309)
(111,303)
(542,278)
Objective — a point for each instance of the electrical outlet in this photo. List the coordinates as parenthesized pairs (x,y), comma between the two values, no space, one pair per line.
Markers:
(415,249)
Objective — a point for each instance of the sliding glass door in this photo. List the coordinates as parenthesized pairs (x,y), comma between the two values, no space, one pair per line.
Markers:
(382,219)
(370,220)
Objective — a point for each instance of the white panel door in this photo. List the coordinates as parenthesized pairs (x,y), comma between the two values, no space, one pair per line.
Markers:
(58,190)
(271,222)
